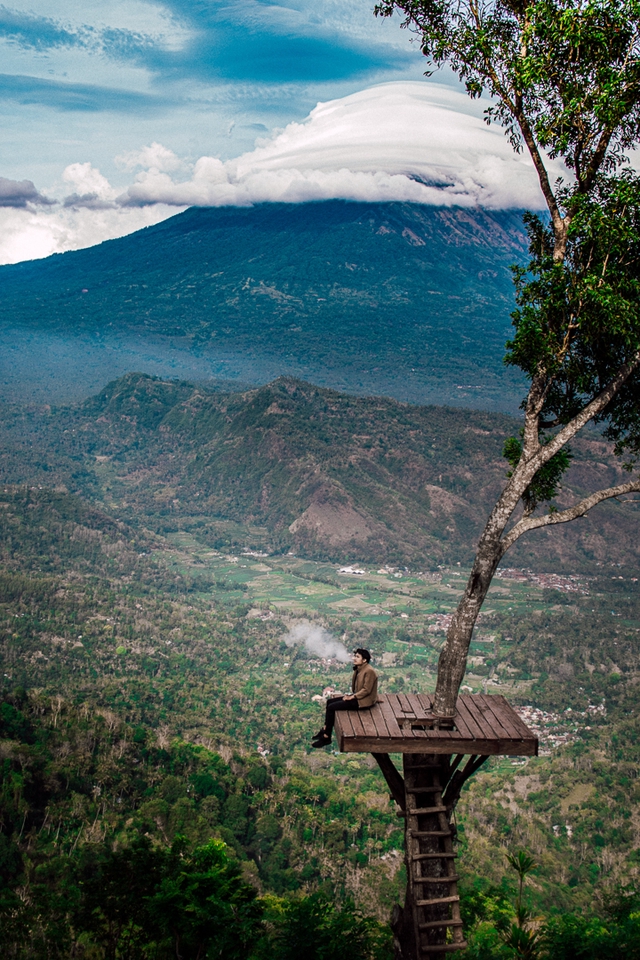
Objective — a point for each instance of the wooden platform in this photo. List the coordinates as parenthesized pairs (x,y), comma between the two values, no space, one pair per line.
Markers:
(400,723)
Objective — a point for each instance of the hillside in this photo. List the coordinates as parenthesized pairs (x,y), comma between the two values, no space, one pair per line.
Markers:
(290,466)
(144,713)
(407,301)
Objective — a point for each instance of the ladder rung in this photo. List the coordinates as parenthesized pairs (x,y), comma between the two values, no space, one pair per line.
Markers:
(430,833)
(418,811)
(439,923)
(434,856)
(432,903)
(452,879)
(443,947)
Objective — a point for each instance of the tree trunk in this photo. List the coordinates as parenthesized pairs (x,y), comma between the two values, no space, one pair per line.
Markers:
(453,656)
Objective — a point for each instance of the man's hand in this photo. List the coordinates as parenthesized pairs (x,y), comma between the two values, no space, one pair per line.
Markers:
(349,696)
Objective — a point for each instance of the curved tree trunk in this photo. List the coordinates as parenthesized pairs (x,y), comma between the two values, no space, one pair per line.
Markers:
(453,656)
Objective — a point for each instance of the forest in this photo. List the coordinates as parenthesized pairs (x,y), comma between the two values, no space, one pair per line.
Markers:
(159,797)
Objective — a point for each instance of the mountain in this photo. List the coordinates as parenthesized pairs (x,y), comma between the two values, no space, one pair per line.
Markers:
(396,299)
(291,466)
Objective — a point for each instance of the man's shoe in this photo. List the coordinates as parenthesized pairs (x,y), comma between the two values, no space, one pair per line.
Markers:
(322,741)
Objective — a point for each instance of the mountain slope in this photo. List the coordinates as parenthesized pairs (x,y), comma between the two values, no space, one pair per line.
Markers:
(381,298)
(293,466)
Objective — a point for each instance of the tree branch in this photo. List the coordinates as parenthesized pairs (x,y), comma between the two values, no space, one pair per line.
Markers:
(560,223)
(597,158)
(597,405)
(571,513)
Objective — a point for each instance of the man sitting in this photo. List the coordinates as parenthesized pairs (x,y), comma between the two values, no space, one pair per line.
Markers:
(364,687)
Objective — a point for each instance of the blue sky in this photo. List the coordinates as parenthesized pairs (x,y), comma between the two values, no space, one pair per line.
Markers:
(200,77)
(117,113)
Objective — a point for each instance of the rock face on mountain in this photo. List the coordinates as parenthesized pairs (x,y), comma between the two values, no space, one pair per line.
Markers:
(294,466)
(375,298)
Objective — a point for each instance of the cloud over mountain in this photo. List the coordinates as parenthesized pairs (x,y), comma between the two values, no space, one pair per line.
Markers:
(410,141)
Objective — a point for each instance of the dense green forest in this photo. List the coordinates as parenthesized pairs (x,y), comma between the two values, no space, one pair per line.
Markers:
(159,797)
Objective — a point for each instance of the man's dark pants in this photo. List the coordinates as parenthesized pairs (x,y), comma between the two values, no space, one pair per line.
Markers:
(333,704)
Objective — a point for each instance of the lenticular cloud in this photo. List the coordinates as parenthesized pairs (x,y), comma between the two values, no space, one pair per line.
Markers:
(421,142)
(410,141)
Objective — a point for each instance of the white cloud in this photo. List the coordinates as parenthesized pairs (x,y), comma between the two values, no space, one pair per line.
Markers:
(415,141)
(92,190)
(154,157)
(410,141)
(29,235)
(87,179)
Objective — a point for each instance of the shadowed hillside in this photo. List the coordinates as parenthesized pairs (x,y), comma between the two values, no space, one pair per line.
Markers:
(290,466)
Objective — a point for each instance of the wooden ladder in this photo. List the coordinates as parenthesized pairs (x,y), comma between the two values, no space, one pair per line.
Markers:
(430,858)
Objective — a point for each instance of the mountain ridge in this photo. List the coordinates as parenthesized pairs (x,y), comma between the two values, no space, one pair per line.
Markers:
(292,466)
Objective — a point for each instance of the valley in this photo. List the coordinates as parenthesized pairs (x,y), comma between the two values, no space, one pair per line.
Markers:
(155,593)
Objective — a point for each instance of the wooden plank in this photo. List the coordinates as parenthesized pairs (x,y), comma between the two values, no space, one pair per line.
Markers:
(464,709)
(452,879)
(407,744)
(461,723)
(344,729)
(390,720)
(434,856)
(421,705)
(432,903)
(493,727)
(478,711)
(394,704)
(417,734)
(517,722)
(426,701)
(405,705)
(369,727)
(346,723)
(431,833)
(451,735)
(352,722)
(502,717)
(400,704)
(379,721)
(431,924)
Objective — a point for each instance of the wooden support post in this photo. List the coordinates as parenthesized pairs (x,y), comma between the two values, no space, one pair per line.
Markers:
(392,776)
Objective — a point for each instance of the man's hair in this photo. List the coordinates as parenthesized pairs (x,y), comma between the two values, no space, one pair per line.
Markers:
(364,654)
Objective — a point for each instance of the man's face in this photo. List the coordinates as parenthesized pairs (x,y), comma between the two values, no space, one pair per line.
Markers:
(358,659)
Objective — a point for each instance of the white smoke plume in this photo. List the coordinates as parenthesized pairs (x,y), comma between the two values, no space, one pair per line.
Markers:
(317,641)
